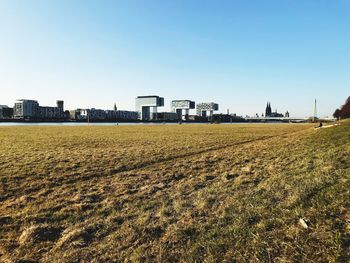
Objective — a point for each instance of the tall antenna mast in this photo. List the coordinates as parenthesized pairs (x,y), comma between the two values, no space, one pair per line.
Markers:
(315,111)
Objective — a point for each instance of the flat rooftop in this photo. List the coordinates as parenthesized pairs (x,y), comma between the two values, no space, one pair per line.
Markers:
(149,96)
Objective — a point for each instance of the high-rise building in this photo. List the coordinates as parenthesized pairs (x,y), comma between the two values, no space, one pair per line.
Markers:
(182,107)
(203,108)
(148,105)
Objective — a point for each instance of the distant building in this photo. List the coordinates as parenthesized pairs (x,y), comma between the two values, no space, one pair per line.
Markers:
(179,106)
(103,115)
(46,112)
(121,115)
(111,115)
(97,114)
(88,114)
(127,115)
(197,118)
(268,110)
(276,114)
(147,105)
(6,112)
(78,114)
(203,108)
(227,118)
(26,109)
(30,109)
(287,114)
(269,113)
(165,116)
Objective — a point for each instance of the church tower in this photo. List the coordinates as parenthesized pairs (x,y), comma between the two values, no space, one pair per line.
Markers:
(268,110)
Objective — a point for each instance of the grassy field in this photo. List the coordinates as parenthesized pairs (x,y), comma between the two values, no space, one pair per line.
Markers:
(170,193)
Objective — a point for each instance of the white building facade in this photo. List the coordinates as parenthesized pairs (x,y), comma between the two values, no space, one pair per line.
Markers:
(147,106)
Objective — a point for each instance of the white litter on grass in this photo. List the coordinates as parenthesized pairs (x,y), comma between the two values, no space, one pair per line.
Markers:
(303,223)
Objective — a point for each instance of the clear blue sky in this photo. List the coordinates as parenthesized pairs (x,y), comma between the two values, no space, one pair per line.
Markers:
(240,54)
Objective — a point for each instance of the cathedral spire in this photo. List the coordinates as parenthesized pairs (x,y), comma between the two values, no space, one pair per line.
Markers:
(268,110)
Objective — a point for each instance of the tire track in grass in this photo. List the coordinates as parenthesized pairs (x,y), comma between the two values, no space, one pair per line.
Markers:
(151,163)
(206,150)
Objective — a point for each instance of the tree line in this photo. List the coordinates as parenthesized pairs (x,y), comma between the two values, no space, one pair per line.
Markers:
(344,111)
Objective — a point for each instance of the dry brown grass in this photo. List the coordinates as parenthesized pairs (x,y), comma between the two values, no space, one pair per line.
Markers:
(193,193)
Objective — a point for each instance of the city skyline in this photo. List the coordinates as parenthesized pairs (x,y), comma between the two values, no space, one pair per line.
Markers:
(192,110)
(240,55)
(148,108)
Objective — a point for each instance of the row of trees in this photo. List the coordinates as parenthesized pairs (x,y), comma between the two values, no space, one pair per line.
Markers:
(344,111)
